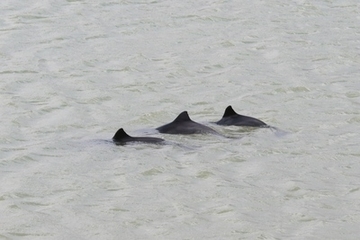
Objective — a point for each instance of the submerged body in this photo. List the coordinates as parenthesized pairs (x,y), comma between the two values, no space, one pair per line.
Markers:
(184,125)
(230,117)
(122,138)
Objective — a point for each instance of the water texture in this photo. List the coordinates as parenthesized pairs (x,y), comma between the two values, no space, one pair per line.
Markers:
(73,72)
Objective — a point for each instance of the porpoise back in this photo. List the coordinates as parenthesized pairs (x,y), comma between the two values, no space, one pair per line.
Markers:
(121,138)
(230,117)
(184,125)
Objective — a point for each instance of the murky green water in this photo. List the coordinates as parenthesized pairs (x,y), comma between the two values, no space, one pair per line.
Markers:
(73,72)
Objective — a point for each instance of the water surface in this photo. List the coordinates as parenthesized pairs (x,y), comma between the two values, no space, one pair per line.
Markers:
(73,72)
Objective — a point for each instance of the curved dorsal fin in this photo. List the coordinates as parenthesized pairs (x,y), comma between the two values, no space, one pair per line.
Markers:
(120,134)
(229,111)
(183,117)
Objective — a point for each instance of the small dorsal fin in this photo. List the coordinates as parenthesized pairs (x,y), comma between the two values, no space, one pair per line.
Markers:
(183,117)
(229,111)
(120,134)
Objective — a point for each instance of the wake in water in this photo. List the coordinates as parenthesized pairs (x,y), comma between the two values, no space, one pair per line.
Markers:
(278,132)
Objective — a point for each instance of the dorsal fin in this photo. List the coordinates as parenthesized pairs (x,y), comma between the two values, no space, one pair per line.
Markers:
(183,117)
(229,111)
(120,134)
